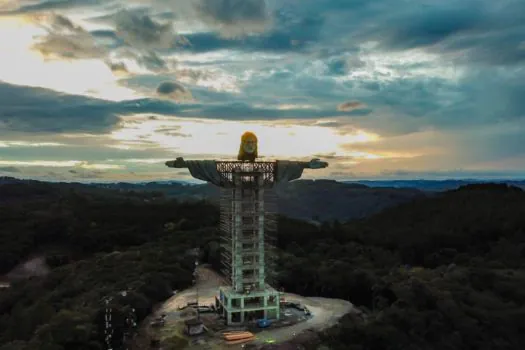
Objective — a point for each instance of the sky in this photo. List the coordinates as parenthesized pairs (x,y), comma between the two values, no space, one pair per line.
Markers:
(108,90)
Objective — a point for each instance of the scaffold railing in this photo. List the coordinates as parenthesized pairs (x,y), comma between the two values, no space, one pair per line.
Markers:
(249,171)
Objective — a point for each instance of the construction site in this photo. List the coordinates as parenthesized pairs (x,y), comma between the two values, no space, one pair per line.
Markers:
(240,306)
(298,314)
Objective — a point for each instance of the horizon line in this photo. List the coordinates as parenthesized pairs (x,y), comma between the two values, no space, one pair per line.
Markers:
(199,182)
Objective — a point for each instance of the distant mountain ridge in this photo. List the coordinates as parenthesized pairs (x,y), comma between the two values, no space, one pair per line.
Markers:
(420,184)
(311,200)
(434,185)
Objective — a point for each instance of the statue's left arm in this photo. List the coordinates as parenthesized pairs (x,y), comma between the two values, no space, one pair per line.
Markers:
(177,163)
(315,163)
(290,170)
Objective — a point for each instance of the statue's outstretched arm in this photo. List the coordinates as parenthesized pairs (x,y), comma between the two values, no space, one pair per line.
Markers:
(315,163)
(177,163)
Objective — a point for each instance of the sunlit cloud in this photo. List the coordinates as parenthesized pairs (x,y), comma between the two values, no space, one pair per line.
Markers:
(213,79)
(89,77)
(144,161)
(285,107)
(29,144)
(222,138)
(416,63)
(59,164)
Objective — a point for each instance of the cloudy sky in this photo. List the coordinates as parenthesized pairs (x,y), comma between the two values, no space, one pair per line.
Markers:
(393,89)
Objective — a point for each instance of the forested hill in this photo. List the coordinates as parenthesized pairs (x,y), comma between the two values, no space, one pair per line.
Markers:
(95,243)
(439,273)
(435,273)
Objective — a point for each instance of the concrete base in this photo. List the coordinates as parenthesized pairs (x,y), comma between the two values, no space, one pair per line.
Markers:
(239,308)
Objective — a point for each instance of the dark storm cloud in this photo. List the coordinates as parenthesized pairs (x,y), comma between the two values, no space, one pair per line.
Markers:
(42,110)
(350,106)
(138,36)
(408,104)
(105,34)
(27,109)
(174,91)
(142,32)
(468,31)
(485,97)
(66,40)
(169,87)
(233,18)
(285,35)
(432,25)
(337,66)
(465,32)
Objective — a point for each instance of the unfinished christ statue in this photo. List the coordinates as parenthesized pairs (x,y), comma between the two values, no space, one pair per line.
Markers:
(247,223)
(285,170)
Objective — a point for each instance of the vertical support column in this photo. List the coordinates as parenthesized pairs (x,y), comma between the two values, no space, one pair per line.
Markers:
(278,308)
(237,233)
(265,304)
(260,229)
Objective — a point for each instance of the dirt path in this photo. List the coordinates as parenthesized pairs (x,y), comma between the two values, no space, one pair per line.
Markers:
(326,312)
(208,282)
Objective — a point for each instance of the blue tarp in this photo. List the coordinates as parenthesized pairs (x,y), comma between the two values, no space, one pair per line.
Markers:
(263,323)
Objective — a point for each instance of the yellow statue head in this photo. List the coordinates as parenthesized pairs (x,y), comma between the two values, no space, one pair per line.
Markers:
(248,148)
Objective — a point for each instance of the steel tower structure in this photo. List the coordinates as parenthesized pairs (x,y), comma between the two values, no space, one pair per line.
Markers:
(248,225)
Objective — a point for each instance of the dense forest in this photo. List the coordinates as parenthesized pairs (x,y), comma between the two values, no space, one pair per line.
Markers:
(440,273)
(445,272)
(97,244)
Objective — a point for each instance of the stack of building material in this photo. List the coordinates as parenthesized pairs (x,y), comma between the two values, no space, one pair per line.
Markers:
(238,337)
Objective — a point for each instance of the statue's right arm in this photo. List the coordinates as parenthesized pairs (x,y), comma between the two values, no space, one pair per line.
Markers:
(177,163)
